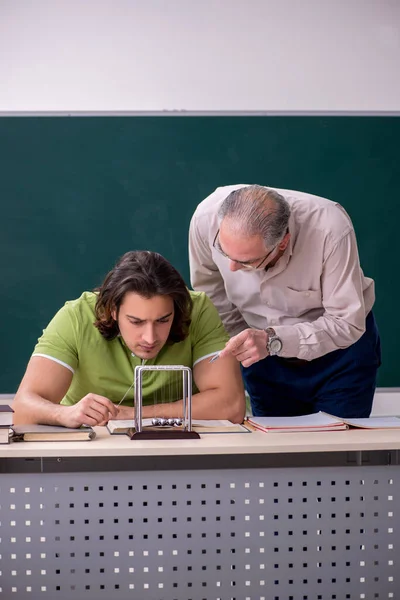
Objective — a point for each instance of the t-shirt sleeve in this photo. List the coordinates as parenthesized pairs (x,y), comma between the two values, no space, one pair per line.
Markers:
(59,339)
(208,333)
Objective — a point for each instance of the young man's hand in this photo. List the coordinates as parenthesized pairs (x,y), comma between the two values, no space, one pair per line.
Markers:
(91,410)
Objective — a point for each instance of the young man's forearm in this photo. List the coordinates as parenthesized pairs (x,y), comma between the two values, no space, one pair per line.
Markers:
(211,404)
(32,408)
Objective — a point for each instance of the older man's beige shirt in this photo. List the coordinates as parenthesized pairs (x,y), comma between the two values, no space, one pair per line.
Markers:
(316,296)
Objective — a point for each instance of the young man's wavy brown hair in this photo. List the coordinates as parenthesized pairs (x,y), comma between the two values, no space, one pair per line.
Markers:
(148,274)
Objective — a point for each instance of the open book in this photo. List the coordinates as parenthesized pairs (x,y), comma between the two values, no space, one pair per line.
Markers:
(122,426)
(320,421)
(50,433)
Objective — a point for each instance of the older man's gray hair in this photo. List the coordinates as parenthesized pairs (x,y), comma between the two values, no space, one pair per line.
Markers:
(257,210)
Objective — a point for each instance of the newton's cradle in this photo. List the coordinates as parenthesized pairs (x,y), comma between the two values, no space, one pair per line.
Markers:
(161,427)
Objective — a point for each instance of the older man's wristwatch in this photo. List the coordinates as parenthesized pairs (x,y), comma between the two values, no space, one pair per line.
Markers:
(274,343)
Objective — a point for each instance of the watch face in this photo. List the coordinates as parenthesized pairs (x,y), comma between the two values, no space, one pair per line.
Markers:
(275,346)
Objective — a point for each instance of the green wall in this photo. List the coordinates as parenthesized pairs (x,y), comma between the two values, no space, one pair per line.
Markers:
(77,192)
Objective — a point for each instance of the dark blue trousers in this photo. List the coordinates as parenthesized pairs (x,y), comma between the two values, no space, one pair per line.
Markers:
(342,382)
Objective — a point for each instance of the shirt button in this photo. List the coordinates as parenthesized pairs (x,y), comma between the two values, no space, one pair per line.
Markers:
(307,294)
(272,321)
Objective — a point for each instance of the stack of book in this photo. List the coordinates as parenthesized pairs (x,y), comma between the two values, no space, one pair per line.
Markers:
(320,421)
(6,421)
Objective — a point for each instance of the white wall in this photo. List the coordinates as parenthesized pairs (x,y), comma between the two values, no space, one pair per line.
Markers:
(212,55)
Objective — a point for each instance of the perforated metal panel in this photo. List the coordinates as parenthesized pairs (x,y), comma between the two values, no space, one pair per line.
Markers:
(272,534)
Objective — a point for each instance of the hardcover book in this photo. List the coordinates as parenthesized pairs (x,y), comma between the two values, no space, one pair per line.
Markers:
(6,415)
(50,433)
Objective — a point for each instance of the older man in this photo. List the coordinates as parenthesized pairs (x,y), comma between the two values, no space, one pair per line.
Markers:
(283,270)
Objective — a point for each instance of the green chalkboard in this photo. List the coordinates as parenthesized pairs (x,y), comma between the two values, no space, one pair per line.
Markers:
(77,192)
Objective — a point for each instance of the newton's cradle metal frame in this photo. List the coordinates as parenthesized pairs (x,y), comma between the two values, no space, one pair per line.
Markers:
(158,431)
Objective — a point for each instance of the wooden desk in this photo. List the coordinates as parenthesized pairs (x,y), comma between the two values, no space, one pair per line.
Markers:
(232,516)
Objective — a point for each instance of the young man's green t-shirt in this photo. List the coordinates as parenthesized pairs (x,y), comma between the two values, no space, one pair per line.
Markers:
(107,367)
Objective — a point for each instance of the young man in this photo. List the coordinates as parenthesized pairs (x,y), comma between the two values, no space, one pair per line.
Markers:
(82,369)
(283,270)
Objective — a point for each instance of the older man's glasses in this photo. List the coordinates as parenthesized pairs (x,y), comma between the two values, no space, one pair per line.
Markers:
(246,264)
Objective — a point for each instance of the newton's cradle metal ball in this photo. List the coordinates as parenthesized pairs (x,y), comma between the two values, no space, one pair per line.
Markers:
(163,422)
